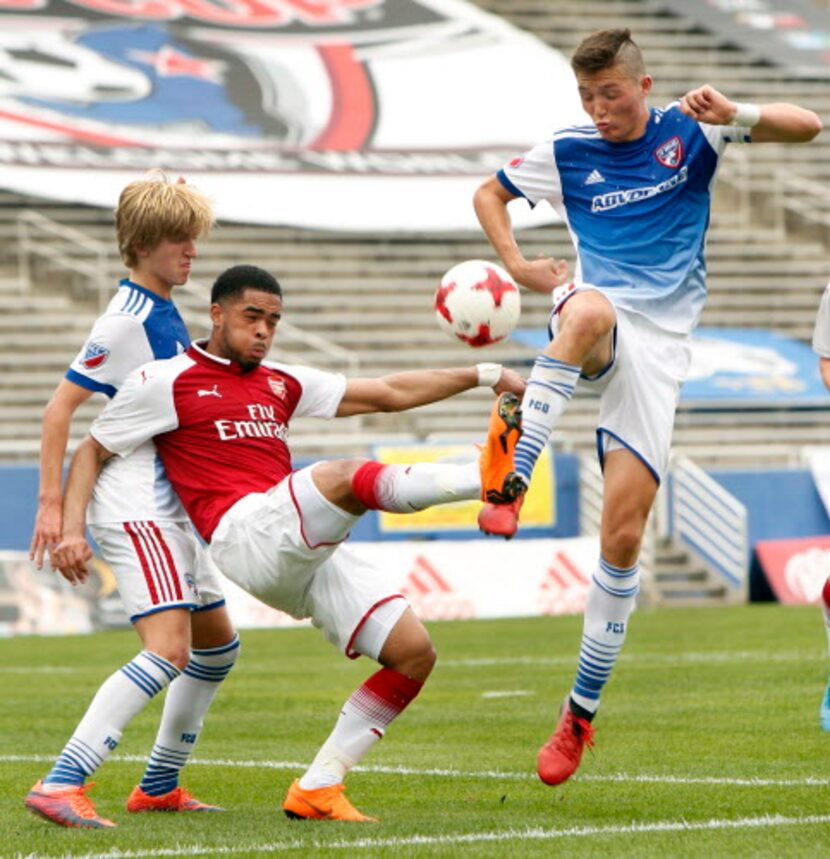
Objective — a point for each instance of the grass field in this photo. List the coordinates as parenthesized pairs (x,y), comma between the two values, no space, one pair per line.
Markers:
(708,744)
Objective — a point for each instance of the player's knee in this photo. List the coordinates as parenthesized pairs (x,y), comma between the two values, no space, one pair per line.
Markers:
(416,659)
(591,323)
(177,653)
(621,544)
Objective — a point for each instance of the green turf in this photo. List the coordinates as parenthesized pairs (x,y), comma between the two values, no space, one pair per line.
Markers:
(698,695)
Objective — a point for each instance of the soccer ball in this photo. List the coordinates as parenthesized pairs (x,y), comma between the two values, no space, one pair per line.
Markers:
(477,302)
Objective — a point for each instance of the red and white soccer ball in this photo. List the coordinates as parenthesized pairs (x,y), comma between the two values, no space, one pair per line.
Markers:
(477,302)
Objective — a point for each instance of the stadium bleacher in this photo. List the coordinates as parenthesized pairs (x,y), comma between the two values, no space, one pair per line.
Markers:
(372,296)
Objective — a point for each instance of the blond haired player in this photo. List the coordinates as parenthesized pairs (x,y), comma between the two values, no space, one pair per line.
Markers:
(167,583)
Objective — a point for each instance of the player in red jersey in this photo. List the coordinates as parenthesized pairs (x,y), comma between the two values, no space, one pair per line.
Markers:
(219,414)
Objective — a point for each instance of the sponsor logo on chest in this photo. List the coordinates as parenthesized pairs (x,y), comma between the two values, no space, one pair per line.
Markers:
(261,422)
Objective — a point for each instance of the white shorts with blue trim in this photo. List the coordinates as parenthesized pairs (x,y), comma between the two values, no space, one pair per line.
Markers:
(159,565)
(284,548)
(639,389)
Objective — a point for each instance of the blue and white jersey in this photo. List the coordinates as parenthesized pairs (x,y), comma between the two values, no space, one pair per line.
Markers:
(637,211)
(138,326)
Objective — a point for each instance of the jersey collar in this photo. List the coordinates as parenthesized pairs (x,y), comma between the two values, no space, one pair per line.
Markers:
(201,356)
(125,281)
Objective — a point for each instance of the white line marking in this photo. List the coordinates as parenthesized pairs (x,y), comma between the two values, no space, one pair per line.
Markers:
(507,693)
(535,834)
(636,659)
(633,778)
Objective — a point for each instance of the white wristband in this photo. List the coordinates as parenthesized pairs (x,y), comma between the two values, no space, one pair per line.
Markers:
(747,114)
(488,374)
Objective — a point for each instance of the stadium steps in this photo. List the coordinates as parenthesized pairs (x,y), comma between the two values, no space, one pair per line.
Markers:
(681,580)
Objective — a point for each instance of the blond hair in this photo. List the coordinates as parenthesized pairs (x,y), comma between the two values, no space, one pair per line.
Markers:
(154,209)
(607,48)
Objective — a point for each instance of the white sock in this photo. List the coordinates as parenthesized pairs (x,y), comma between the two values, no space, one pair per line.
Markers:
(549,390)
(611,598)
(408,488)
(187,702)
(363,720)
(121,697)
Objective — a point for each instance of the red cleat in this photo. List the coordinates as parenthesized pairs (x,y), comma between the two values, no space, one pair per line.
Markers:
(560,756)
(177,799)
(499,482)
(68,806)
(501,520)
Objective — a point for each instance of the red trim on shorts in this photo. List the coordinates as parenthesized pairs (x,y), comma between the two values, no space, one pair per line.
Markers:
(155,560)
(168,555)
(300,516)
(353,654)
(145,567)
(825,593)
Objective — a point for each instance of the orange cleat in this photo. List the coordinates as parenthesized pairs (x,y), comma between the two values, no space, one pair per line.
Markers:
(499,482)
(323,803)
(178,799)
(69,806)
(560,756)
(501,520)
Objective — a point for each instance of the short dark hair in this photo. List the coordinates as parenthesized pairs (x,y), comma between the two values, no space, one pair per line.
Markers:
(606,48)
(236,279)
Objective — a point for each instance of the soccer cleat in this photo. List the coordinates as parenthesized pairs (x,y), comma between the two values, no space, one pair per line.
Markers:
(501,520)
(824,712)
(560,756)
(323,803)
(69,806)
(177,799)
(499,482)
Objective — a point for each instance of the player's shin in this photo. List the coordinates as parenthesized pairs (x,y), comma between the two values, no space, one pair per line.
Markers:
(408,488)
(120,698)
(611,599)
(188,700)
(549,390)
(362,723)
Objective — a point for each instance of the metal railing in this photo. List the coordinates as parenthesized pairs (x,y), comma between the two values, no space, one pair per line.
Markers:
(67,249)
(712,523)
(61,248)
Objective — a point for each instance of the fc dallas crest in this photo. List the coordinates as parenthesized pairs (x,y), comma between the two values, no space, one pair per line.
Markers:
(670,153)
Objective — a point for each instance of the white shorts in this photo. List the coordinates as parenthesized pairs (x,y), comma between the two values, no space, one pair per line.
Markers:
(283,547)
(639,389)
(158,566)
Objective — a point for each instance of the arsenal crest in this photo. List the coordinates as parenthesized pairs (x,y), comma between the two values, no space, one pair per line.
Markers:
(670,153)
(277,386)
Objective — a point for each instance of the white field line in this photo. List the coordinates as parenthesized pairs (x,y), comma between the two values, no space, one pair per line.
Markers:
(636,659)
(629,778)
(508,693)
(530,834)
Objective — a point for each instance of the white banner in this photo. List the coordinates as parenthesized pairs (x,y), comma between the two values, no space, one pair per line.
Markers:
(341,114)
(453,580)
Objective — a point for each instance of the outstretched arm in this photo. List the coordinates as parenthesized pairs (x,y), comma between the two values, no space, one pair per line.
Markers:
(73,551)
(401,391)
(776,123)
(541,275)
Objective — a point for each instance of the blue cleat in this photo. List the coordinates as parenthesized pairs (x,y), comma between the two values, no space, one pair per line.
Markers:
(824,712)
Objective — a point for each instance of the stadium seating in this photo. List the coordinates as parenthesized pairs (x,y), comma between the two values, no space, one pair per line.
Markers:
(767,260)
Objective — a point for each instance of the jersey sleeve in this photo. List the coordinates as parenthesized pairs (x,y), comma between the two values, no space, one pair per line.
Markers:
(143,408)
(321,391)
(821,333)
(116,345)
(719,135)
(533,175)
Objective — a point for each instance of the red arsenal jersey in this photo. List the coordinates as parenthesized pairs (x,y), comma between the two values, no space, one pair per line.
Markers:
(221,433)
